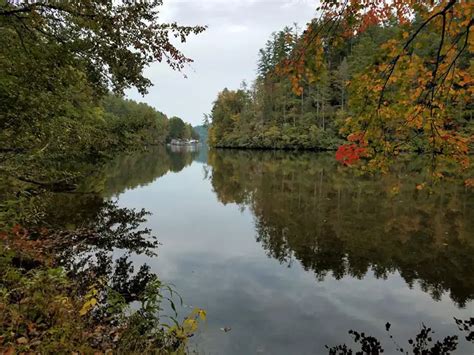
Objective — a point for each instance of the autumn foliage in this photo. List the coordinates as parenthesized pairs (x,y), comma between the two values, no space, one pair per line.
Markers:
(411,97)
(348,154)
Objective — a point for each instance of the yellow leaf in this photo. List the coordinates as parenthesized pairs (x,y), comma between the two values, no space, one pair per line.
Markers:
(87,306)
(202,314)
(189,325)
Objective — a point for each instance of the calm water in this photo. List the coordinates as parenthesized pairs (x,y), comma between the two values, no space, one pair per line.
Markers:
(291,251)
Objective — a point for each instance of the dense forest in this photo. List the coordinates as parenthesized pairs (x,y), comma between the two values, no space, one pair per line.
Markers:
(129,125)
(370,81)
(64,68)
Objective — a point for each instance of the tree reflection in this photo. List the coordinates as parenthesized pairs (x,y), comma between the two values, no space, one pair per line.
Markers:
(335,223)
(92,237)
(142,168)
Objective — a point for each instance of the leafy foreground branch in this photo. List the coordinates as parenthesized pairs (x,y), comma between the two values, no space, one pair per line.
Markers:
(61,291)
(421,344)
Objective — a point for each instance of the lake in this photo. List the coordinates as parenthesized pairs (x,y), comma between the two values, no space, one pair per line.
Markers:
(291,250)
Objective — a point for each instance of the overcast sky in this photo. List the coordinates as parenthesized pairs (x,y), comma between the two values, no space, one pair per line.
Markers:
(224,55)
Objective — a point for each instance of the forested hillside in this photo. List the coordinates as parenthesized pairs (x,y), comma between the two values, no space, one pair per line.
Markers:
(202,131)
(381,79)
(115,125)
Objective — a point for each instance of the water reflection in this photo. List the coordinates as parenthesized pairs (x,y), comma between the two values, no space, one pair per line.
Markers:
(305,212)
(308,208)
(141,168)
(125,172)
(352,245)
(96,239)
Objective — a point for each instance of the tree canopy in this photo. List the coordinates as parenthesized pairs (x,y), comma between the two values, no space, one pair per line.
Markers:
(178,129)
(59,62)
(112,42)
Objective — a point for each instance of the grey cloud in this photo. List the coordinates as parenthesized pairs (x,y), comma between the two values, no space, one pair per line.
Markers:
(223,56)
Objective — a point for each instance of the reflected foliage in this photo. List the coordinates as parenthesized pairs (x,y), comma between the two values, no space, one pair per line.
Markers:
(91,242)
(84,228)
(338,224)
(140,169)
(30,204)
(86,252)
(422,344)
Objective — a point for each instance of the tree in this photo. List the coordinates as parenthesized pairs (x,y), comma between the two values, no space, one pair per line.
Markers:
(206,120)
(273,114)
(341,81)
(226,115)
(113,41)
(177,128)
(407,100)
(58,62)
(131,123)
(83,50)
(387,76)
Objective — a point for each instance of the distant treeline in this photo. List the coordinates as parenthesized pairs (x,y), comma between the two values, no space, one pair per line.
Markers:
(111,124)
(202,131)
(138,123)
(129,124)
